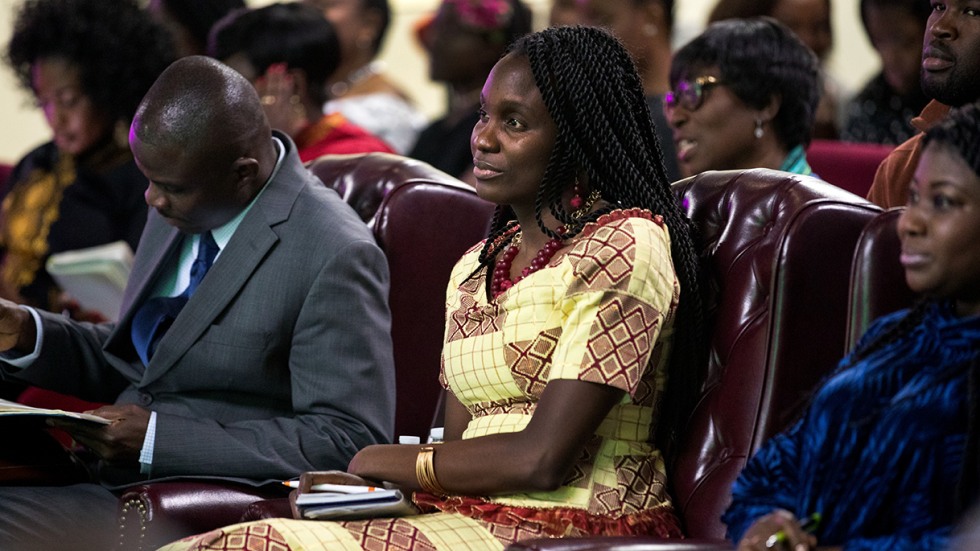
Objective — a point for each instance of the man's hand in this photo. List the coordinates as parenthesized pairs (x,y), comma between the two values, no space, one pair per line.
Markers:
(17,331)
(119,442)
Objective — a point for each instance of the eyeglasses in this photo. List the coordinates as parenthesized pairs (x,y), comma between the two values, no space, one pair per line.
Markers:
(690,94)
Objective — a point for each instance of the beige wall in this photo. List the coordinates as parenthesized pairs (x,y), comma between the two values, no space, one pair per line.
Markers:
(22,127)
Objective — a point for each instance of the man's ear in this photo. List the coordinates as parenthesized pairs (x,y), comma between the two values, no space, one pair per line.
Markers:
(247,170)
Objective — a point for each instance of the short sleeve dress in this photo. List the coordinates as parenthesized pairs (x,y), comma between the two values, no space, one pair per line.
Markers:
(602,311)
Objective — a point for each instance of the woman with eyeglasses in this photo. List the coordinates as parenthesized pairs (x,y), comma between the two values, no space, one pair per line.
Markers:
(743,95)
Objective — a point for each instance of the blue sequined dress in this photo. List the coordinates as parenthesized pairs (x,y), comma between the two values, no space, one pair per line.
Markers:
(879,451)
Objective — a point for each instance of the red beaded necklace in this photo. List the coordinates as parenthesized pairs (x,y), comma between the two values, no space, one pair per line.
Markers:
(501,273)
(501,280)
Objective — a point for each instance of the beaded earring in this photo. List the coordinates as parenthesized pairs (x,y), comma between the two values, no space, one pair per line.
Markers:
(576,200)
(758,129)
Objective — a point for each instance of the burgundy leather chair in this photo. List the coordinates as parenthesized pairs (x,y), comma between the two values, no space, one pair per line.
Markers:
(778,250)
(877,278)
(847,165)
(424,220)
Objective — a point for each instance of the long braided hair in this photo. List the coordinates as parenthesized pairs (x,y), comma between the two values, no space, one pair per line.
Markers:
(605,134)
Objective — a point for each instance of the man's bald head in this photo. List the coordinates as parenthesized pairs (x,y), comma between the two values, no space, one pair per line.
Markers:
(201,138)
(199,104)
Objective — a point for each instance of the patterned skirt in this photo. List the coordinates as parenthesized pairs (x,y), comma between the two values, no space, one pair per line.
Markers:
(453,523)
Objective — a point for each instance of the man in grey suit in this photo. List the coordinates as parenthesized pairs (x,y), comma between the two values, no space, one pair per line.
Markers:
(279,361)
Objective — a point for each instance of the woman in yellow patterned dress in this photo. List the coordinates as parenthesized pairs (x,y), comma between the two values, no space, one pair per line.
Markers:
(573,333)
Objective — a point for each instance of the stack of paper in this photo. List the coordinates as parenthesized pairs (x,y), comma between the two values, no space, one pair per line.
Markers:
(8,408)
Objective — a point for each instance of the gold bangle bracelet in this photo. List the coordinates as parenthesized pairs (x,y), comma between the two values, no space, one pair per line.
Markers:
(425,471)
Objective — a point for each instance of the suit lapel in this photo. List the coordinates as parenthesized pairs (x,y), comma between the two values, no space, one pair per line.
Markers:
(148,264)
(157,250)
(240,258)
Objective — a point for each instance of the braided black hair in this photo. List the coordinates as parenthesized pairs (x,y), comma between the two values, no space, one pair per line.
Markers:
(604,131)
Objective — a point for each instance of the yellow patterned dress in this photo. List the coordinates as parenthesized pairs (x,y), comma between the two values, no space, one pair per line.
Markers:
(601,312)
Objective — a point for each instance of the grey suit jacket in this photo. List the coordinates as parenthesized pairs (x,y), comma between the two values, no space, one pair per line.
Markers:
(281,361)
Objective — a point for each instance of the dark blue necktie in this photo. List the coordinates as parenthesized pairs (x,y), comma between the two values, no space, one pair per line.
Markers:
(157,314)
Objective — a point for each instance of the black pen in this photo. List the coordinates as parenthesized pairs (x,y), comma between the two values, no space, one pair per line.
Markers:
(808,524)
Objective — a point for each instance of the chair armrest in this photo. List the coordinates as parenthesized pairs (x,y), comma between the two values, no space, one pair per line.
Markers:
(151,515)
(621,543)
(267,508)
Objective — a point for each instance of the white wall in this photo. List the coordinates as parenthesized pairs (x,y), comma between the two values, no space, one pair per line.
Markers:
(22,127)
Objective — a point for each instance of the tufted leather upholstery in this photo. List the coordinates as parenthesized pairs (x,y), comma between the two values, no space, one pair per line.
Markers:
(424,220)
(778,251)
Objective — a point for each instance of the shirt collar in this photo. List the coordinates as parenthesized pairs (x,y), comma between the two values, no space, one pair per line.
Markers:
(223,233)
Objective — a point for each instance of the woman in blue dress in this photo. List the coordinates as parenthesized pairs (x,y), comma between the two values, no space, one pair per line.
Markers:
(886,456)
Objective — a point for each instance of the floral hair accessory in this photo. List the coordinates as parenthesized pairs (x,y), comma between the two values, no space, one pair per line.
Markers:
(483,15)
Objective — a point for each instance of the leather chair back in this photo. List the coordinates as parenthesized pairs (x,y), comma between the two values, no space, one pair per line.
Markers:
(847,165)
(364,180)
(778,250)
(877,278)
(424,220)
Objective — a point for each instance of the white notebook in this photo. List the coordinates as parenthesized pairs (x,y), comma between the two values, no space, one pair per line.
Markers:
(96,277)
(337,506)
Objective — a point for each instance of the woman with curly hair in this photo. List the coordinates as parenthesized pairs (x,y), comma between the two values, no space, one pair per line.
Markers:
(574,331)
(88,64)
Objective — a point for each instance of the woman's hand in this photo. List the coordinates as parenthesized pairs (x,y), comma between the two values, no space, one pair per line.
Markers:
(765,534)
(282,105)
(309,478)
